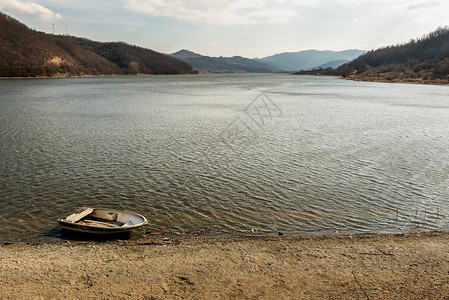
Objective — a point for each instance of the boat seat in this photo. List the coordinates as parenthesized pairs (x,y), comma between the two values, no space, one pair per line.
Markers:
(76,217)
(100,223)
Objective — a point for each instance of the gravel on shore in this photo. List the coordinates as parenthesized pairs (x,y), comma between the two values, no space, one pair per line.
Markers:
(360,266)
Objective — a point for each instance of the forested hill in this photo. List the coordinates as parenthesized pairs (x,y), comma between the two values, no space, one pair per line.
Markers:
(27,53)
(421,60)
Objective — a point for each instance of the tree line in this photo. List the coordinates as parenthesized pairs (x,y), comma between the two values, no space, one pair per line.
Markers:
(426,57)
(28,53)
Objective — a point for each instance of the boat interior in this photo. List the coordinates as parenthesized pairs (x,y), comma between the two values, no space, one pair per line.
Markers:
(103,218)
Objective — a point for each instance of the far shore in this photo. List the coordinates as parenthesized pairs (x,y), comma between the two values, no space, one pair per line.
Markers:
(85,76)
(381,78)
(397,80)
(358,266)
(62,76)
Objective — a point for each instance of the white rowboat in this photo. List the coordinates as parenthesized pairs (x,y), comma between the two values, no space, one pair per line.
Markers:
(102,221)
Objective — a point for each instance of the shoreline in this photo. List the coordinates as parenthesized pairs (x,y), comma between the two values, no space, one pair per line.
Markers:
(399,80)
(405,265)
(58,236)
(59,77)
(87,76)
(363,78)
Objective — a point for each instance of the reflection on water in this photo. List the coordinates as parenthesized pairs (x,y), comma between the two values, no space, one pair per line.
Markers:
(196,153)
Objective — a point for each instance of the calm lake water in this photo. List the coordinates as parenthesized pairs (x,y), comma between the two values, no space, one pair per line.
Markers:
(225,153)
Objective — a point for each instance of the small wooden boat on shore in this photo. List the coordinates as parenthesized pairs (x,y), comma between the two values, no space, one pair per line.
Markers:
(102,221)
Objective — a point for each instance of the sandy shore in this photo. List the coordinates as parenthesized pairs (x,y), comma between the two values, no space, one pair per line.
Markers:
(352,266)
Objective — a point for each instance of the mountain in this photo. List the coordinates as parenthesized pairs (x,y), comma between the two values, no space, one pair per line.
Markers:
(424,60)
(27,53)
(332,64)
(186,54)
(308,59)
(235,64)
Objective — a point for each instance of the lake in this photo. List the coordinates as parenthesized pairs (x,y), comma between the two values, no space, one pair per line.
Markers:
(225,154)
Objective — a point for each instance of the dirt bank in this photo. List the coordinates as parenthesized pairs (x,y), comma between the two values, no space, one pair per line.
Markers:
(351,266)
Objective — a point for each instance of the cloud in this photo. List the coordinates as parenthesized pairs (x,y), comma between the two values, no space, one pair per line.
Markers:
(29,9)
(424,5)
(238,12)
(221,12)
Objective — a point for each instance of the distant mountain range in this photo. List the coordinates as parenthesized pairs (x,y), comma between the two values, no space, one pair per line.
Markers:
(235,64)
(27,53)
(310,59)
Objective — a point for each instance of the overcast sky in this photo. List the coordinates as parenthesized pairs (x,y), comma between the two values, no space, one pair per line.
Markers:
(250,28)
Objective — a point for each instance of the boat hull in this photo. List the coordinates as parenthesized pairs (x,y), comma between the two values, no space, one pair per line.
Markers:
(88,229)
